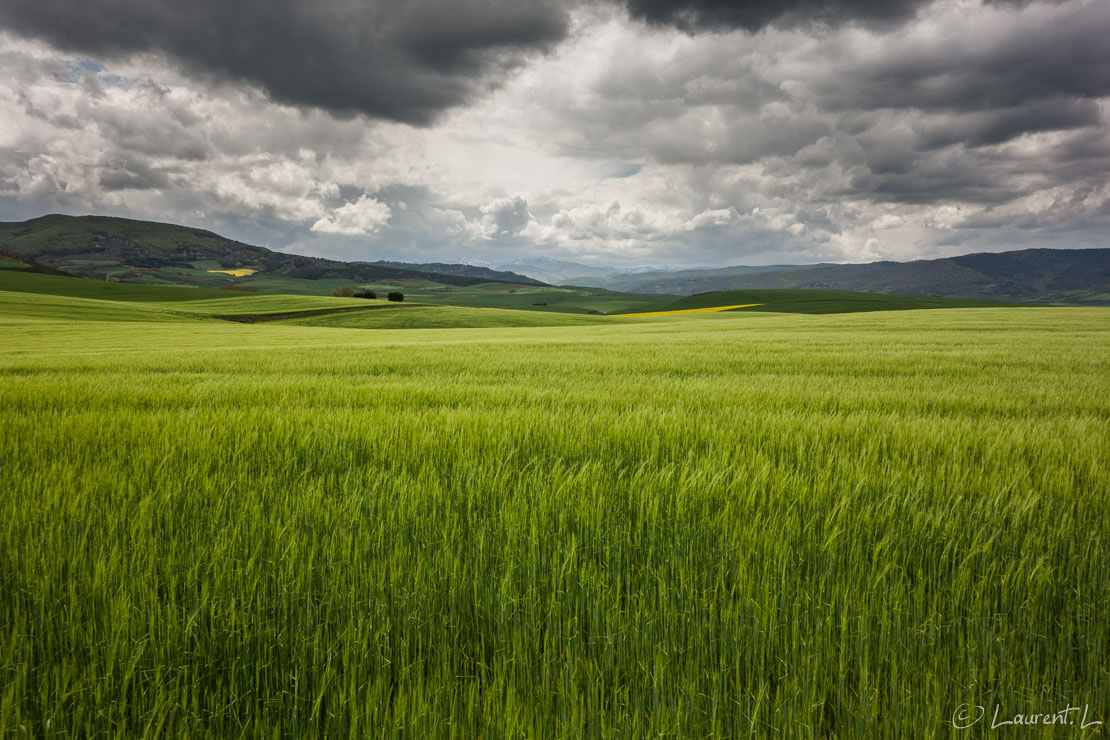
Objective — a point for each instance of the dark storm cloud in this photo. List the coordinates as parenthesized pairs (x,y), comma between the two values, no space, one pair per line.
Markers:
(893,171)
(1065,55)
(933,120)
(946,178)
(930,112)
(753,15)
(134,173)
(400,61)
(983,128)
(154,132)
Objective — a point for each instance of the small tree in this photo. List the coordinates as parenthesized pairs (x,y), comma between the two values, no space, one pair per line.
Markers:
(396,296)
(366,294)
(343,291)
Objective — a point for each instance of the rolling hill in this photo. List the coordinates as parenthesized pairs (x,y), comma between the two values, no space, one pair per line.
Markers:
(26,292)
(807,301)
(127,250)
(26,296)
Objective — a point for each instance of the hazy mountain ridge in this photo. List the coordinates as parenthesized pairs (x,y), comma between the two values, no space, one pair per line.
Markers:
(461,270)
(676,276)
(1040,275)
(552,270)
(573,273)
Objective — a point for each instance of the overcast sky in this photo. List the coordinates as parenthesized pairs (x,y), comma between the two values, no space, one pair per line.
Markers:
(646,132)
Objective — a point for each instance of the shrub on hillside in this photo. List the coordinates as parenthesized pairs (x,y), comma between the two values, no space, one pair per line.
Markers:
(396,296)
(366,294)
(343,291)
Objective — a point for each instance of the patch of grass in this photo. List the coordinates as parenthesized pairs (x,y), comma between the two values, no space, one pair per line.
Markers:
(542,299)
(23,307)
(408,316)
(296,286)
(92,262)
(224,303)
(83,288)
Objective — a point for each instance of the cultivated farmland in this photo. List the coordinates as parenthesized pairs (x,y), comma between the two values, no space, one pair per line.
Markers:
(745,523)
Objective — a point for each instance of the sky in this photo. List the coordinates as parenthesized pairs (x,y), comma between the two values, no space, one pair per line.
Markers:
(626,133)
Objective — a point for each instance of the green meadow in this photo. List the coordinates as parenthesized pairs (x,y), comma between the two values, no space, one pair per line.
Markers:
(428,521)
(812,301)
(314,293)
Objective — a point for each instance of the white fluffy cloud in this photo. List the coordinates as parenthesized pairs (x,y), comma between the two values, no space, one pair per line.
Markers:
(505,217)
(363,217)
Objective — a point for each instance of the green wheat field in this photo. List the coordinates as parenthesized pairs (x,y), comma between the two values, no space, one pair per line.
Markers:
(706,526)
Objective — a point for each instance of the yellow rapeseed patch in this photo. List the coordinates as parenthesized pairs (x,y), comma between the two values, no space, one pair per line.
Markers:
(693,310)
(240,272)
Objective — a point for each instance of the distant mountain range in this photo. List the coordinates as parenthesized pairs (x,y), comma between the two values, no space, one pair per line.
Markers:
(555,271)
(126,250)
(104,247)
(1079,276)
(478,272)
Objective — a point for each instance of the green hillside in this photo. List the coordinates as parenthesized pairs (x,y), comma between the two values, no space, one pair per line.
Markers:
(60,237)
(131,251)
(50,307)
(814,302)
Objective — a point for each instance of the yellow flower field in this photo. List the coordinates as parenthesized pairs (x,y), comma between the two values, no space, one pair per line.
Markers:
(240,272)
